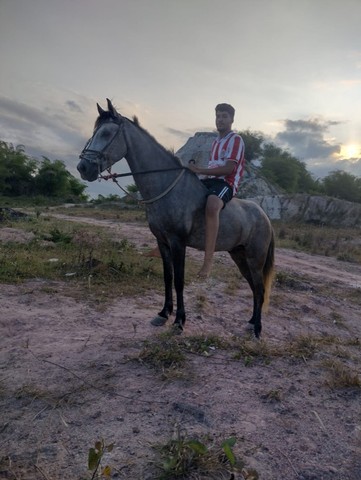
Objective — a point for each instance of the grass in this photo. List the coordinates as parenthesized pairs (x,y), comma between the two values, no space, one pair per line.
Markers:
(85,256)
(340,376)
(106,211)
(343,243)
(169,354)
(162,352)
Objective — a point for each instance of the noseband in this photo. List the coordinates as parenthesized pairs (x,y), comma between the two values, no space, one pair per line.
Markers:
(97,156)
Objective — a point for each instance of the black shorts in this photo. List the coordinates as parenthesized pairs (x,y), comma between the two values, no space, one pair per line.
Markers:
(218,187)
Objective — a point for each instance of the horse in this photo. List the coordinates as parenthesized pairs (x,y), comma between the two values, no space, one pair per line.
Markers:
(175,201)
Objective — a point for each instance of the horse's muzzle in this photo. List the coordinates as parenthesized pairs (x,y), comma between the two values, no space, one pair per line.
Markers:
(88,169)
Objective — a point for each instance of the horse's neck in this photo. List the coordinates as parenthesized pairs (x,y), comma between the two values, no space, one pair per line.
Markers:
(145,154)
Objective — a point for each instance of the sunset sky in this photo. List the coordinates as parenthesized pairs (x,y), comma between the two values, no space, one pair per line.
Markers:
(291,68)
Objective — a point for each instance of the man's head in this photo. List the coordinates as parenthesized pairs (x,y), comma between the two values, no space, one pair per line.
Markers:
(226,107)
(224,118)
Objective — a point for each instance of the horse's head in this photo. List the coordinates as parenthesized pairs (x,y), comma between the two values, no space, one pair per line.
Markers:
(105,147)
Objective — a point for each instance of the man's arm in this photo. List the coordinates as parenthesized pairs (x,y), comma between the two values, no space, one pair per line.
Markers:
(226,169)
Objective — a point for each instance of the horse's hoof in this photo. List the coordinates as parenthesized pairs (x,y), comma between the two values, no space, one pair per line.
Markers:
(176,329)
(158,321)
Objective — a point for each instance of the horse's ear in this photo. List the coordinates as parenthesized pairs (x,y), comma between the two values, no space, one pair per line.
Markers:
(111,109)
(100,110)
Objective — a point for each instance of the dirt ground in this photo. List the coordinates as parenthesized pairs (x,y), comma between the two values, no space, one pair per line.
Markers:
(66,379)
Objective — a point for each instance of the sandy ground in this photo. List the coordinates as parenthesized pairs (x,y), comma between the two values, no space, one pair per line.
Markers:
(66,379)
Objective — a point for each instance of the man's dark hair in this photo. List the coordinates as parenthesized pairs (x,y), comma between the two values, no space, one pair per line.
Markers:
(226,107)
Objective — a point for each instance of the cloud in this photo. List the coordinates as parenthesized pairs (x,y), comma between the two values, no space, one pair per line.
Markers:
(43,131)
(74,106)
(310,141)
(180,134)
(306,139)
(350,166)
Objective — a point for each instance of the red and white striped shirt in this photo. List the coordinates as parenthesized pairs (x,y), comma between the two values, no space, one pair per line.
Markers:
(229,148)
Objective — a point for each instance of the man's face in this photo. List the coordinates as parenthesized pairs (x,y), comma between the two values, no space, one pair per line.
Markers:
(223,122)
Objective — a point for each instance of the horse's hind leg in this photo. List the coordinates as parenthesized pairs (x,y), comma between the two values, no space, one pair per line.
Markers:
(167,310)
(254,278)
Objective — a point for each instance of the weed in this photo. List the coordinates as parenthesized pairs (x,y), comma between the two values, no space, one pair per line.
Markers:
(58,236)
(273,396)
(95,457)
(190,458)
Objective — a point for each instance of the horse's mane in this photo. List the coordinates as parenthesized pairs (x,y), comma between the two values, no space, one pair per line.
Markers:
(107,116)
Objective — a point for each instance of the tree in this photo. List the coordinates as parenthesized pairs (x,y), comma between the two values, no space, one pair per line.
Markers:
(53,180)
(253,144)
(343,185)
(16,170)
(286,171)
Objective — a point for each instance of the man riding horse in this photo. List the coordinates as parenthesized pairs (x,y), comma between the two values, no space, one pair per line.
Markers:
(224,172)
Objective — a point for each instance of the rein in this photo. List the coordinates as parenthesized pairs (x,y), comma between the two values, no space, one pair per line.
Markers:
(114,176)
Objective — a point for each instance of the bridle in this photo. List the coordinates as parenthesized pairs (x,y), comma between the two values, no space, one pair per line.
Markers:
(96,156)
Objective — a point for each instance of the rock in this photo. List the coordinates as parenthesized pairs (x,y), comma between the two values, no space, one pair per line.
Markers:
(10,214)
(197,148)
(16,235)
(319,210)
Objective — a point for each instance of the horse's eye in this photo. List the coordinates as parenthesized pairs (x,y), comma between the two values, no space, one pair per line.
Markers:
(106,134)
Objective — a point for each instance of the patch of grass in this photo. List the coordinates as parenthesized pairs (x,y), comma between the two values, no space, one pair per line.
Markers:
(354,294)
(163,352)
(85,256)
(250,351)
(305,346)
(204,344)
(340,375)
(106,211)
(34,392)
(302,347)
(341,243)
(292,281)
(273,396)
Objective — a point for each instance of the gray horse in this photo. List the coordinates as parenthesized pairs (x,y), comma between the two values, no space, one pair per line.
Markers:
(175,202)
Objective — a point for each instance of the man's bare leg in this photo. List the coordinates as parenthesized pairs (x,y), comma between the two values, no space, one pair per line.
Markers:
(213,207)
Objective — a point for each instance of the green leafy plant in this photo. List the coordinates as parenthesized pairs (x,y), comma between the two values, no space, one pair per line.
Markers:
(184,457)
(95,457)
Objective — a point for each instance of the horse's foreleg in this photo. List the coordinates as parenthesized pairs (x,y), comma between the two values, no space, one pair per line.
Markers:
(178,256)
(167,310)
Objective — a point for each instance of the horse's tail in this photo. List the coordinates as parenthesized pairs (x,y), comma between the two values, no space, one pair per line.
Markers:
(268,271)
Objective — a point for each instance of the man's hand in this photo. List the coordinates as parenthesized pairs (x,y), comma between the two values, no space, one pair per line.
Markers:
(192,166)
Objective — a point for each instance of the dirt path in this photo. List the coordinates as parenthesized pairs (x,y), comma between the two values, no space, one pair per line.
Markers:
(66,379)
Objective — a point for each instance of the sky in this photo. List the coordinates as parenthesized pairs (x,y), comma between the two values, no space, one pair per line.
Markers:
(291,69)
